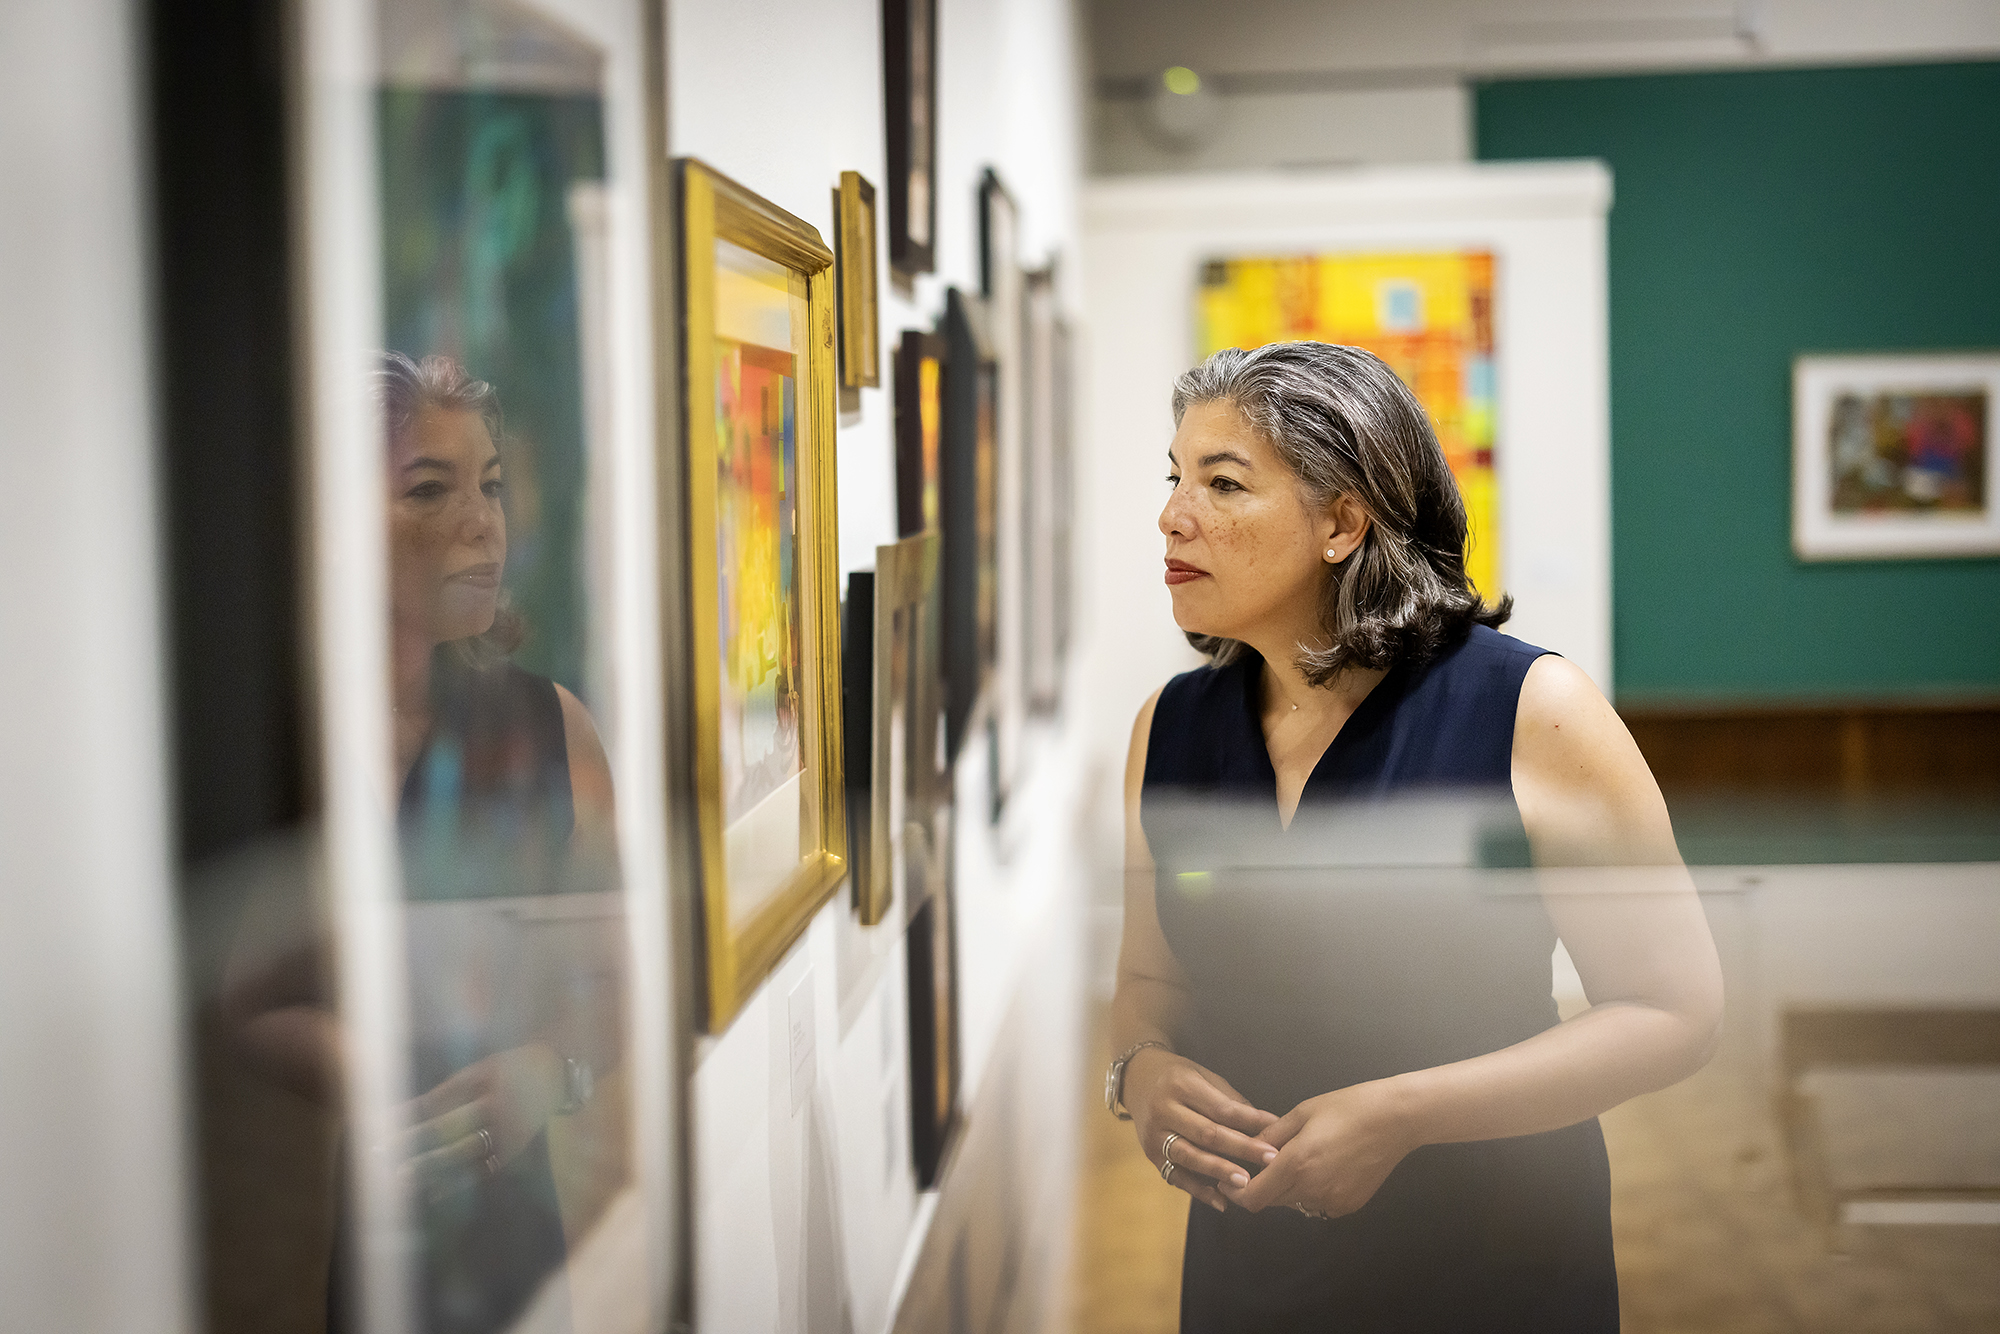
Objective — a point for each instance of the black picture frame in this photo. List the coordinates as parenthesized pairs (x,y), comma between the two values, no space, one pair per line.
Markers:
(999,233)
(920,365)
(931,949)
(857,706)
(909,66)
(969,503)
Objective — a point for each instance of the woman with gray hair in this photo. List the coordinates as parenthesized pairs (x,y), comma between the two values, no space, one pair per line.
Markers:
(1378,1055)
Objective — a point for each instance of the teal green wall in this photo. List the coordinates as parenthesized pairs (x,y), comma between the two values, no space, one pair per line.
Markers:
(1759,215)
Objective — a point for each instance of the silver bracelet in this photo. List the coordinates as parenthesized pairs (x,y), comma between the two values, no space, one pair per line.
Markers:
(1114,1079)
(579,1083)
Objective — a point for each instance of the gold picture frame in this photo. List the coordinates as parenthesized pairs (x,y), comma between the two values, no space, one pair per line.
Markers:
(854,251)
(907,786)
(759,400)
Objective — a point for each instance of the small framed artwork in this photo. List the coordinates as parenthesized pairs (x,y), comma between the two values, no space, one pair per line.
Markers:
(761,564)
(920,361)
(912,785)
(1892,456)
(1005,286)
(898,786)
(931,952)
(857,692)
(1042,495)
(999,237)
(968,451)
(909,67)
(854,253)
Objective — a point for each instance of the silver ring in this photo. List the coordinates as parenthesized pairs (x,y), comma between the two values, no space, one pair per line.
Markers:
(1167,1149)
(1167,1171)
(485,1142)
(1309,1212)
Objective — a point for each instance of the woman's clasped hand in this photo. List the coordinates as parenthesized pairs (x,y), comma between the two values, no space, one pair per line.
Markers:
(1218,1137)
(1325,1158)
(478,1120)
(1334,1152)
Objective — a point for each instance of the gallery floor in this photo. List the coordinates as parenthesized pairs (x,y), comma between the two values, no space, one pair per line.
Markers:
(1708,1238)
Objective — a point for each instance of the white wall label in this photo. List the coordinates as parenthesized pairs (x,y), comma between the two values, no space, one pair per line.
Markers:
(800,1027)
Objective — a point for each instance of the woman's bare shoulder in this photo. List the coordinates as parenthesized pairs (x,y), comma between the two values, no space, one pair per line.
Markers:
(1135,755)
(589,767)
(1563,715)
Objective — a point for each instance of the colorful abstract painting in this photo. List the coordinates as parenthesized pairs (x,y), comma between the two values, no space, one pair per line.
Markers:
(1909,451)
(1429,315)
(757,490)
(1892,455)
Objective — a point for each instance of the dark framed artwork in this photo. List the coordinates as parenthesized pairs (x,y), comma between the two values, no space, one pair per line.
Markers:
(909,66)
(920,362)
(857,692)
(1005,289)
(932,954)
(854,258)
(968,449)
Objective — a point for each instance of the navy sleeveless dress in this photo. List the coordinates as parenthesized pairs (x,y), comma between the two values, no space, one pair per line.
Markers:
(1307,979)
(485,814)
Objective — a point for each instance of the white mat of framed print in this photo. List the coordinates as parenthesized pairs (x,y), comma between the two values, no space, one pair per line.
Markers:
(1892,456)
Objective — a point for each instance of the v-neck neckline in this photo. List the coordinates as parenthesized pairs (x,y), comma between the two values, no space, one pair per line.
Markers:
(1253,702)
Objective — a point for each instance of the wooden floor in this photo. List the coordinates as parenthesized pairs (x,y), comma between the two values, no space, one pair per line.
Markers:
(1707,1237)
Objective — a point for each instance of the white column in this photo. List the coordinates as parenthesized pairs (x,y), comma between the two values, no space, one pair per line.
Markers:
(94,1211)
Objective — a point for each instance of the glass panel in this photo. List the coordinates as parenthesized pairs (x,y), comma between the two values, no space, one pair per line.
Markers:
(517,1141)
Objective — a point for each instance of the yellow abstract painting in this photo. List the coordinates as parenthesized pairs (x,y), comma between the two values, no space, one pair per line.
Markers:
(1429,315)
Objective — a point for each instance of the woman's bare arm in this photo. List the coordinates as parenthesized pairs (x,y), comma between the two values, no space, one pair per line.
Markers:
(1151,1000)
(1166,1092)
(1627,911)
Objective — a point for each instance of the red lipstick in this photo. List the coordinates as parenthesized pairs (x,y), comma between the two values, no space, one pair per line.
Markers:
(1180,572)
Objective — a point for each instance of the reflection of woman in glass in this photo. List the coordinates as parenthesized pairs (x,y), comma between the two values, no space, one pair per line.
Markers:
(506,795)
(507,824)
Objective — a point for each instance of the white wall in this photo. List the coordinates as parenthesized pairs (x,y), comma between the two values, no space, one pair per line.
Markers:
(1144,240)
(91,1156)
(1139,38)
(1313,83)
(806,1214)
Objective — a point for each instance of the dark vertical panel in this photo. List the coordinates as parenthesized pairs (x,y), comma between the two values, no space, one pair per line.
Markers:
(229,465)
(1760,215)
(230,491)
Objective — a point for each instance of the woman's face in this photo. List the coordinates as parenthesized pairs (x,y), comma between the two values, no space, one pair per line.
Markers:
(1245,552)
(447,531)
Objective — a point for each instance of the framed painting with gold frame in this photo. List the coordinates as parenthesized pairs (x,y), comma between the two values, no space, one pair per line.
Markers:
(854,251)
(761,565)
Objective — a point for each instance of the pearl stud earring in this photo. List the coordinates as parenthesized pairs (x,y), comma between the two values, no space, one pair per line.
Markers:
(1330,556)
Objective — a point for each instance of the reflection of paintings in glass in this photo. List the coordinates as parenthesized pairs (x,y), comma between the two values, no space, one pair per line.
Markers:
(479,264)
(1429,315)
(756,552)
(1902,450)
(1892,455)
